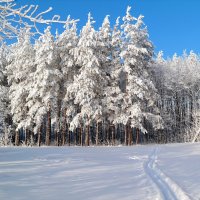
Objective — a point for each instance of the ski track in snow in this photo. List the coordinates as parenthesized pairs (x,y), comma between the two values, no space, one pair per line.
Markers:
(168,189)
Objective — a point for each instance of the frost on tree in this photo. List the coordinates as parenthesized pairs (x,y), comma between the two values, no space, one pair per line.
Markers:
(178,85)
(45,88)
(13,17)
(113,92)
(5,119)
(66,46)
(102,86)
(19,71)
(87,86)
(140,96)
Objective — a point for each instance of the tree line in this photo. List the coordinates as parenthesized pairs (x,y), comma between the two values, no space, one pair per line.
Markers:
(98,87)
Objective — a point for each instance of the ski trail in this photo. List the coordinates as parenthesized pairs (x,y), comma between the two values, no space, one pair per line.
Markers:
(169,190)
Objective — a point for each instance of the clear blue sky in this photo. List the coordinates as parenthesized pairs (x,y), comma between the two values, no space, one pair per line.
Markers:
(174,25)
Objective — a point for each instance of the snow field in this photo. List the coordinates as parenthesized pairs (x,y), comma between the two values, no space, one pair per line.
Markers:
(169,172)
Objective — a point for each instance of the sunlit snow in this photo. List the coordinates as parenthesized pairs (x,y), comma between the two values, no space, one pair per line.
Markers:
(169,172)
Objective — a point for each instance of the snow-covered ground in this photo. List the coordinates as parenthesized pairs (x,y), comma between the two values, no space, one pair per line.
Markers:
(170,172)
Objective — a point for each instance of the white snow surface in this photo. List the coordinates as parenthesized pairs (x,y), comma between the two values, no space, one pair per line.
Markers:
(154,172)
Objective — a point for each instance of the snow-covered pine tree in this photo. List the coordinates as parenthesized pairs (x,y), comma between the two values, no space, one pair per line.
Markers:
(140,96)
(45,86)
(104,38)
(5,121)
(21,64)
(66,45)
(86,90)
(113,94)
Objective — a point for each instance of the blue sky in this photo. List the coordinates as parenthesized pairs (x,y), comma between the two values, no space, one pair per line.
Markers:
(174,25)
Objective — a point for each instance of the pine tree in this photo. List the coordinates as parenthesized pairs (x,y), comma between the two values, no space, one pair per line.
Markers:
(140,95)
(104,42)
(86,90)
(112,92)
(45,86)
(21,64)
(66,45)
(5,122)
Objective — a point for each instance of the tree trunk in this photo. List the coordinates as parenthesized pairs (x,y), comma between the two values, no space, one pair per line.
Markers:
(137,135)
(48,131)
(130,138)
(87,139)
(5,140)
(57,133)
(27,137)
(81,136)
(113,134)
(17,138)
(56,138)
(39,135)
(64,127)
(106,133)
(69,138)
(97,134)
(76,136)
(126,135)
(57,130)
(31,138)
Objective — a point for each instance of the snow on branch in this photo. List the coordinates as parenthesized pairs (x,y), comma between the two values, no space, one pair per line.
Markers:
(13,17)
